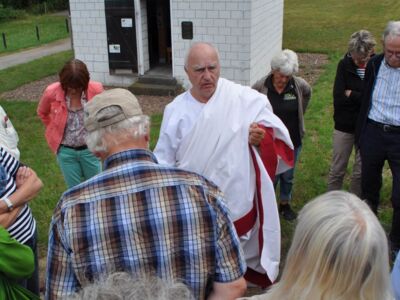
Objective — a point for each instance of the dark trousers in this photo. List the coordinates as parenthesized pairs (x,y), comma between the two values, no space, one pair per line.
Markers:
(32,283)
(376,146)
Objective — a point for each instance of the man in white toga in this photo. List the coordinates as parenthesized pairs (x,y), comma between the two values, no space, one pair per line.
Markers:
(207,130)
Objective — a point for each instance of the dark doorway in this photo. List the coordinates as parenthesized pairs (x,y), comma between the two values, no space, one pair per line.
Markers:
(121,34)
(159,32)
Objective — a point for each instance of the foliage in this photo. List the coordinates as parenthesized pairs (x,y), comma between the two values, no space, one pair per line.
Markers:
(28,4)
(21,33)
(9,13)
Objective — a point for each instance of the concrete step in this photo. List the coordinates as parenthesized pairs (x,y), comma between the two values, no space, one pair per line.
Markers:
(139,88)
(157,79)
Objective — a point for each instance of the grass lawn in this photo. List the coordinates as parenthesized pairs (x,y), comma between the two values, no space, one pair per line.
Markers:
(21,34)
(309,26)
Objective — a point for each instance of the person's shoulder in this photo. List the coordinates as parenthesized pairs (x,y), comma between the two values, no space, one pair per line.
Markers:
(177,103)
(190,178)
(260,83)
(95,86)
(53,87)
(301,82)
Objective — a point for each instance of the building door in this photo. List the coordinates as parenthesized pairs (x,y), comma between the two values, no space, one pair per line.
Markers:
(159,32)
(121,34)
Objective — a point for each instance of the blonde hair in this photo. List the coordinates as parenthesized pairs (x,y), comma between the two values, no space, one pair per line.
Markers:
(339,251)
(361,42)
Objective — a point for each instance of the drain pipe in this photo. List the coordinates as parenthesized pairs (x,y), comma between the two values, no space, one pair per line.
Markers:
(139,38)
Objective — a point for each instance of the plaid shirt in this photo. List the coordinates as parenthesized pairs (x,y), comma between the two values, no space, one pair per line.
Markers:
(143,218)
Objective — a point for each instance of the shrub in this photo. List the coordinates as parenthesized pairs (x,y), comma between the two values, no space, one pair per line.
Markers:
(8,13)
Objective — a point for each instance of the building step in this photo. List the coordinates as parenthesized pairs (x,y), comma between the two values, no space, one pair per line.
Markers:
(157,79)
(153,89)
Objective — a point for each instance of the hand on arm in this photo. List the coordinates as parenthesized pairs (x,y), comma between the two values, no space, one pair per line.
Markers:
(347,93)
(28,186)
(256,134)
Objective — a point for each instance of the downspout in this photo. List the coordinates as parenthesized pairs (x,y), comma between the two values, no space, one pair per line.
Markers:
(139,38)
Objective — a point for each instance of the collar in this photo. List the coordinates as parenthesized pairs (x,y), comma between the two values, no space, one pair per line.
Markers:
(130,155)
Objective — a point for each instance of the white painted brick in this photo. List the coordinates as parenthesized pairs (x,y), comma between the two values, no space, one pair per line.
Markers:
(212,14)
(200,14)
(237,14)
(195,5)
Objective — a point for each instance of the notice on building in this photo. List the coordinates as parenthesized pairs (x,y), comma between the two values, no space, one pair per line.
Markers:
(126,22)
(114,48)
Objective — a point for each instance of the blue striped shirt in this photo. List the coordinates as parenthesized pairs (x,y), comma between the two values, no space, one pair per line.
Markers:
(385,107)
(143,218)
(24,225)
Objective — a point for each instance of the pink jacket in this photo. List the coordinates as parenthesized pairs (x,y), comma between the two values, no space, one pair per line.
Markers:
(52,110)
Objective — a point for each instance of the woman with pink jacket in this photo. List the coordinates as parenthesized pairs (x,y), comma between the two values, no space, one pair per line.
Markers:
(61,111)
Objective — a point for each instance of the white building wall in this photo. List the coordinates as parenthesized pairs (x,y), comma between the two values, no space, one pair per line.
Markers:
(246,32)
(224,23)
(89,32)
(145,37)
(266,35)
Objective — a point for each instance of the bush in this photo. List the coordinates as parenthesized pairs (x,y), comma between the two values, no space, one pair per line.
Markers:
(8,13)
(48,6)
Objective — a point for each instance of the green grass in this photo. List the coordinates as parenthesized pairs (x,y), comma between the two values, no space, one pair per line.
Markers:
(21,33)
(309,26)
(14,77)
(325,26)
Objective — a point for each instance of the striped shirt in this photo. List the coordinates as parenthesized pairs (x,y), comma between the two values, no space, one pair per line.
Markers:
(385,107)
(143,218)
(361,73)
(24,226)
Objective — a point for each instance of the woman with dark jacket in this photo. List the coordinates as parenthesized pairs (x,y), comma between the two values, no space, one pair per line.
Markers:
(289,96)
(347,101)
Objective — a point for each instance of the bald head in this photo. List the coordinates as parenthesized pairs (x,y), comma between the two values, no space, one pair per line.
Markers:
(200,46)
(203,69)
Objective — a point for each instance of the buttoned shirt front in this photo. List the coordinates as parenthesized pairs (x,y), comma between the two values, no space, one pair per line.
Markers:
(143,218)
(385,104)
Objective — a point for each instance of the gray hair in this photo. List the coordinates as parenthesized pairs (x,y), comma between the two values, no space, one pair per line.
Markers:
(339,251)
(285,62)
(123,286)
(361,42)
(196,44)
(392,30)
(134,128)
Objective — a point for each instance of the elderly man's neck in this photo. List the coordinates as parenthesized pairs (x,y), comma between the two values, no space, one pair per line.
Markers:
(123,146)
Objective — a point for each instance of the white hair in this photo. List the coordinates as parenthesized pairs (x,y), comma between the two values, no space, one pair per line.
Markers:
(123,286)
(392,30)
(285,62)
(134,128)
(339,251)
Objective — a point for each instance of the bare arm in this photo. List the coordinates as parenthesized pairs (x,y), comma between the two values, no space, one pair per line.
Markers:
(28,186)
(229,290)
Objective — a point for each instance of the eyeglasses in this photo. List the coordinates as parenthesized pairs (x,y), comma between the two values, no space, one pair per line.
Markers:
(391,53)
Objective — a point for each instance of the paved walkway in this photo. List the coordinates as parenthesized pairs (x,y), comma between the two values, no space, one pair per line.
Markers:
(21,57)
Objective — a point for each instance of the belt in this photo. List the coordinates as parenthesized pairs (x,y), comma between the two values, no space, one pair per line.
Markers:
(384,127)
(83,147)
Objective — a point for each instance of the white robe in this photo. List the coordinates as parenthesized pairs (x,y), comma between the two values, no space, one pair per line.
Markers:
(212,139)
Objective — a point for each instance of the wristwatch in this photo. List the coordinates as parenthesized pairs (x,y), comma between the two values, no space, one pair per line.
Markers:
(8,203)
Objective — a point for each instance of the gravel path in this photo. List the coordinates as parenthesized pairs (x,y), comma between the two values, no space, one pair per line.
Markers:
(311,66)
